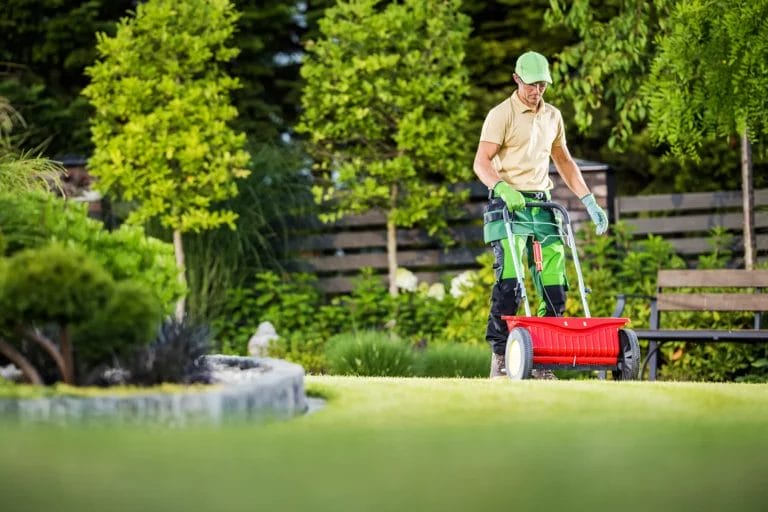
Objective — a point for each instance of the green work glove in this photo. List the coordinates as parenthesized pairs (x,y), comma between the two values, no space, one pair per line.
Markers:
(596,213)
(512,198)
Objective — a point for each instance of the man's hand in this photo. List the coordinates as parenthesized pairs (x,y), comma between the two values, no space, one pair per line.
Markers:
(596,214)
(512,198)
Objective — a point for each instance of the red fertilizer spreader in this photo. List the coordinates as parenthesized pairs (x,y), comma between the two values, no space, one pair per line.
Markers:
(573,343)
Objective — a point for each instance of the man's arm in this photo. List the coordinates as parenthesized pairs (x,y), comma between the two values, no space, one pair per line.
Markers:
(483,166)
(569,171)
(572,176)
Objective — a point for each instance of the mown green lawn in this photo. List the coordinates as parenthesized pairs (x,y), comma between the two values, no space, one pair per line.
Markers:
(422,445)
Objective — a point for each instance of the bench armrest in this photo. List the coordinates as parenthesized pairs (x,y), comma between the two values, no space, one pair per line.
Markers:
(621,301)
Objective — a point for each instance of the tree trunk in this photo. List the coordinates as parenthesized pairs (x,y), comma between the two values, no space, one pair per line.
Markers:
(36,337)
(18,359)
(68,356)
(178,246)
(748,198)
(392,243)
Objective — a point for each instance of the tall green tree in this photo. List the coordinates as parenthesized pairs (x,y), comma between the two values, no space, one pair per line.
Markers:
(709,79)
(609,63)
(385,97)
(600,79)
(161,130)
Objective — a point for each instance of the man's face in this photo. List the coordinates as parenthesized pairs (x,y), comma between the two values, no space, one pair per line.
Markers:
(530,94)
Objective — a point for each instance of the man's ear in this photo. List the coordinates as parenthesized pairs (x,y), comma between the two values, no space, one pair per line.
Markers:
(516,78)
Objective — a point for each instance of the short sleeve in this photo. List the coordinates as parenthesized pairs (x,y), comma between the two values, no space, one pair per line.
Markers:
(494,127)
(560,134)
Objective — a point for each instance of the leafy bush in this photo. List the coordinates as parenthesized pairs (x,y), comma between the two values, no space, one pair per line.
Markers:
(454,360)
(33,219)
(290,302)
(130,319)
(369,353)
(53,284)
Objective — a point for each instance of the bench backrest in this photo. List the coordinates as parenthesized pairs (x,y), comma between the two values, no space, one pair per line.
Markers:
(712,301)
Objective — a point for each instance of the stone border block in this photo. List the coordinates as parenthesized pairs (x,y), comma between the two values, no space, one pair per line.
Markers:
(244,389)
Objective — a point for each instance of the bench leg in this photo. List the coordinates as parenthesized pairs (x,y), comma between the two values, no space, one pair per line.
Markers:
(653,351)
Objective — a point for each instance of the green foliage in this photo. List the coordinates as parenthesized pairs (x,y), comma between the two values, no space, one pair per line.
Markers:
(271,199)
(291,303)
(707,79)
(45,46)
(453,360)
(502,31)
(608,64)
(607,79)
(420,317)
(616,264)
(467,323)
(22,169)
(613,264)
(55,284)
(162,105)
(129,319)
(34,219)
(370,354)
(385,91)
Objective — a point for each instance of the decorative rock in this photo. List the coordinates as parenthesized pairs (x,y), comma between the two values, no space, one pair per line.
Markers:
(259,342)
(11,373)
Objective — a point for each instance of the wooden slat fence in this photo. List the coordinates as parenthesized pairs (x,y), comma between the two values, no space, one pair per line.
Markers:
(687,220)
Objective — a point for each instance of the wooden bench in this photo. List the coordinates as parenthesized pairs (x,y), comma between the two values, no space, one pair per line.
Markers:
(669,297)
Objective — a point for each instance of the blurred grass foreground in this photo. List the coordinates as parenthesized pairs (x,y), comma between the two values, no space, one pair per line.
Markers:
(419,444)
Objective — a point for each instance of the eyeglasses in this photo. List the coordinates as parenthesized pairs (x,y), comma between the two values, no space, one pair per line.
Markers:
(538,85)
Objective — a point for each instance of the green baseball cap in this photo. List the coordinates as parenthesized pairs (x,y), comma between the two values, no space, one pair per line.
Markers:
(533,67)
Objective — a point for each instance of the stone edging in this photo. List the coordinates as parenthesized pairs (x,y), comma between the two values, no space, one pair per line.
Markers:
(248,388)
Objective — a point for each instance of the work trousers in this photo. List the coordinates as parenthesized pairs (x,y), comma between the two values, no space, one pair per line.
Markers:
(528,224)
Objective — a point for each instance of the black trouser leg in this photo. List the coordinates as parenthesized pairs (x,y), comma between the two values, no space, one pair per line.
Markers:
(554,298)
(504,301)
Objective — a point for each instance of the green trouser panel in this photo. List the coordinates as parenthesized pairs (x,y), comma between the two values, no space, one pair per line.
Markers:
(539,224)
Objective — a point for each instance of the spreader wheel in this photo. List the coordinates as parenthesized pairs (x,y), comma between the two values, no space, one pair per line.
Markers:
(519,355)
(629,356)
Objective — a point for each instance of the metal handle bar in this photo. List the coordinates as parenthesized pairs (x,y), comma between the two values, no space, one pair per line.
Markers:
(551,206)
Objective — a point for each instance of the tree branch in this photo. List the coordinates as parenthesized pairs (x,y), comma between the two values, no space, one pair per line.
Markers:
(21,362)
(35,336)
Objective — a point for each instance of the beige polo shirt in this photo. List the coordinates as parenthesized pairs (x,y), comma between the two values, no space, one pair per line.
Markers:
(526,139)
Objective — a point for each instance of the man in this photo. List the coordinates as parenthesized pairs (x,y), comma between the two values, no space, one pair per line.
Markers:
(518,138)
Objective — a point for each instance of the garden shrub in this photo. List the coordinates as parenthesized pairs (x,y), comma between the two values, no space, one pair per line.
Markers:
(25,219)
(34,219)
(56,287)
(453,360)
(54,284)
(369,354)
(130,319)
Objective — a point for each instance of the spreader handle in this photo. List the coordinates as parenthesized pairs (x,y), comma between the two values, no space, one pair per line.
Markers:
(552,206)
(570,240)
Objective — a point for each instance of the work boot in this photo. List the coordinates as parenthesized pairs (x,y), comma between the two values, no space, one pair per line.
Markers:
(497,367)
(543,374)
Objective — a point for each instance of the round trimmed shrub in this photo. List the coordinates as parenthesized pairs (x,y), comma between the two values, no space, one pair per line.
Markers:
(369,354)
(54,284)
(130,319)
